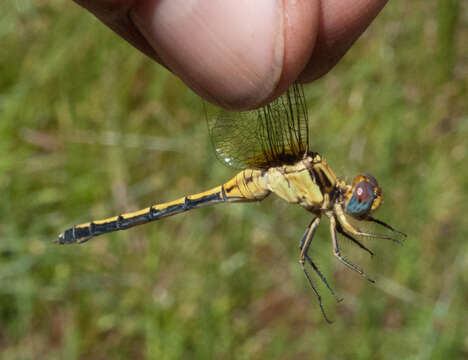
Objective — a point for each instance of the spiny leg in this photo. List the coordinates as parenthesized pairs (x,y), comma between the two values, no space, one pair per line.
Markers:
(385,225)
(306,236)
(340,230)
(324,280)
(318,295)
(338,211)
(337,253)
(304,247)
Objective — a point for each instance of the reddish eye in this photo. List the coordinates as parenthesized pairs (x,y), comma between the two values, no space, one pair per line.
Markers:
(371,180)
(362,199)
(364,191)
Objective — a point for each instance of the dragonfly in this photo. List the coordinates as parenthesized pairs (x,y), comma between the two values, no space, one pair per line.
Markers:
(270,147)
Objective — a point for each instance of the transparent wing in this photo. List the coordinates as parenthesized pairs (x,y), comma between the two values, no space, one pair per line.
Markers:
(273,135)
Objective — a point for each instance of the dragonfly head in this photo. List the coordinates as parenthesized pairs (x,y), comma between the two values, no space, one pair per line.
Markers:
(363,197)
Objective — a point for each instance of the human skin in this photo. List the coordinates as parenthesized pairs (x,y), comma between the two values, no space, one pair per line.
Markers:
(240,54)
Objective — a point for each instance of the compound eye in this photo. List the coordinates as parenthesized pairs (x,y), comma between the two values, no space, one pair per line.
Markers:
(364,192)
(371,179)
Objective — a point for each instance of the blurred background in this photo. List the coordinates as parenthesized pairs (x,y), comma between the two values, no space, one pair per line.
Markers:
(90,128)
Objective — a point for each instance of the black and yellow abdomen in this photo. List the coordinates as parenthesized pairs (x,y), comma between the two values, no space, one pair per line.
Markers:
(243,187)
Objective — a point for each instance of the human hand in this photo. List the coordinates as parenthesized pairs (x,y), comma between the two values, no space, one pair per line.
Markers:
(240,54)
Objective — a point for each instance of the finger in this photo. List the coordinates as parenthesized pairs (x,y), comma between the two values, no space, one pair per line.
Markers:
(340,25)
(236,53)
(240,53)
(116,15)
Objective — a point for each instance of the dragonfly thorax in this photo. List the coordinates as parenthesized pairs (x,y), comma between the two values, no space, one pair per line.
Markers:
(308,182)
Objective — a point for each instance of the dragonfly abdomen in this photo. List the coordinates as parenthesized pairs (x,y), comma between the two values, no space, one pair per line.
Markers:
(241,188)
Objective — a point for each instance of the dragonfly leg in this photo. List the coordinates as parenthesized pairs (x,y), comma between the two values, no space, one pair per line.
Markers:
(385,225)
(323,278)
(340,230)
(350,229)
(337,253)
(316,294)
(304,247)
(307,238)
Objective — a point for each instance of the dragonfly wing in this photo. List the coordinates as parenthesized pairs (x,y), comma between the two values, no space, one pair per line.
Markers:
(273,135)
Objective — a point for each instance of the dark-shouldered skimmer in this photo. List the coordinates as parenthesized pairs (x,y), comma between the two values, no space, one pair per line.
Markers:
(271,146)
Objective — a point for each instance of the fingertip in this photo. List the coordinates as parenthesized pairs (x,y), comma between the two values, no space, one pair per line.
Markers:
(238,54)
(300,33)
(227,51)
(341,23)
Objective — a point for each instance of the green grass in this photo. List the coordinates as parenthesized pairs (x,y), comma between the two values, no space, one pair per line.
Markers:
(90,128)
